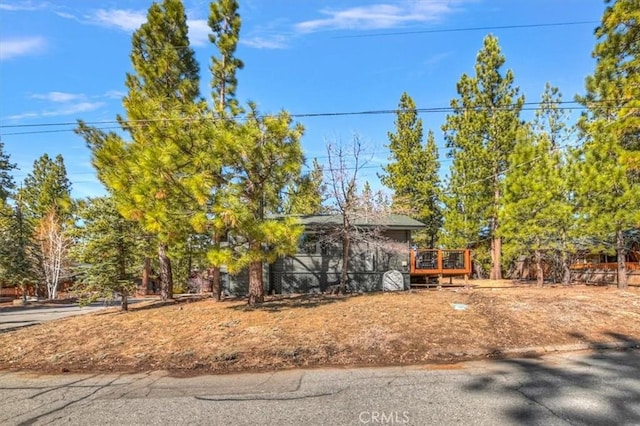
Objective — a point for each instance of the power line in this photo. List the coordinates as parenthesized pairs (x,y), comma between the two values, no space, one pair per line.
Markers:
(457,30)
(527,106)
(296,115)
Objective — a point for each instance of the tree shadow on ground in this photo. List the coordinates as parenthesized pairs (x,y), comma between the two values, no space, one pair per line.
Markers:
(278,304)
(154,304)
(567,390)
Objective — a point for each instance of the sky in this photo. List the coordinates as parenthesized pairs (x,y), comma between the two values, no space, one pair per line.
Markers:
(66,60)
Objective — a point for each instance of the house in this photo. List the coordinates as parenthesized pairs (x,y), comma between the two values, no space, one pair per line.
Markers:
(381,244)
(602,267)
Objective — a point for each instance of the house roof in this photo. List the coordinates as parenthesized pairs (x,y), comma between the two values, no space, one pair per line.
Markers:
(393,221)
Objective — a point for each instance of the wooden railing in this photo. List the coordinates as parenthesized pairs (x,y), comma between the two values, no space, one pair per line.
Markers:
(432,262)
(10,292)
(610,266)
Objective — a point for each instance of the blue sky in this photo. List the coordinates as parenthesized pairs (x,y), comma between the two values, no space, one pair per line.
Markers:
(66,60)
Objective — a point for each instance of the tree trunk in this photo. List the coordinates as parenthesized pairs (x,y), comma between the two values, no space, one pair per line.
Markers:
(622,266)
(146,272)
(344,275)
(166,275)
(256,287)
(566,275)
(496,261)
(24,287)
(216,284)
(496,242)
(539,270)
(125,300)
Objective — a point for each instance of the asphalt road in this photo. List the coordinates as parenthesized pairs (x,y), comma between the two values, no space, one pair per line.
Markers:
(596,388)
(23,316)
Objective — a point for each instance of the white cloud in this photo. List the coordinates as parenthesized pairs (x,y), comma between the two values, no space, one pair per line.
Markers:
(382,15)
(271,42)
(115,94)
(67,15)
(123,19)
(67,109)
(198,32)
(130,20)
(437,58)
(58,96)
(12,48)
(75,109)
(22,6)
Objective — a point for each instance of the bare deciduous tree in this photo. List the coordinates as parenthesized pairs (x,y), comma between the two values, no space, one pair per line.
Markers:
(54,244)
(362,213)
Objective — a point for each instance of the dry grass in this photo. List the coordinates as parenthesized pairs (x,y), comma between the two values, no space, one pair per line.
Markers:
(194,337)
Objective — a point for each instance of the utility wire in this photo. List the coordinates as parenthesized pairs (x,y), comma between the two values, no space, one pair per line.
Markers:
(304,115)
(458,30)
(527,106)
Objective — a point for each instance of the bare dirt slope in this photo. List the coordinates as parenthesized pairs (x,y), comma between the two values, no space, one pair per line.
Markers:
(194,337)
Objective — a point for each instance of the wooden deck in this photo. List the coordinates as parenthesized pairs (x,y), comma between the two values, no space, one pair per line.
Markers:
(431,263)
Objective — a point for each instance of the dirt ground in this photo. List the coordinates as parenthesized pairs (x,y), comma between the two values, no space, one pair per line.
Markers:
(420,326)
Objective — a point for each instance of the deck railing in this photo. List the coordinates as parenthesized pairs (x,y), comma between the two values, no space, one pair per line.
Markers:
(609,266)
(432,262)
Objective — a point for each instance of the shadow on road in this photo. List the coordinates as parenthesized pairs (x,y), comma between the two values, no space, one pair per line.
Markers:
(570,395)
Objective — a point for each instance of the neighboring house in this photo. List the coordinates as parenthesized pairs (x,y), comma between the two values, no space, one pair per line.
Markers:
(602,267)
(384,245)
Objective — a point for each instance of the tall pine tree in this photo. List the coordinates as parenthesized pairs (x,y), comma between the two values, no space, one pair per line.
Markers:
(161,177)
(46,208)
(412,172)
(260,157)
(608,180)
(536,215)
(481,133)
(225,24)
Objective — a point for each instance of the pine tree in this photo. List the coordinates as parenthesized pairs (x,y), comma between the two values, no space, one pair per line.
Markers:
(7,184)
(6,213)
(536,214)
(608,181)
(225,24)
(110,251)
(481,133)
(160,178)
(307,194)
(18,254)
(412,172)
(47,209)
(47,188)
(16,250)
(259,159)
(264,157)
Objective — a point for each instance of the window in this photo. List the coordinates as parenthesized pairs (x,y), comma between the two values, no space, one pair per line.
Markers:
(308,243)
